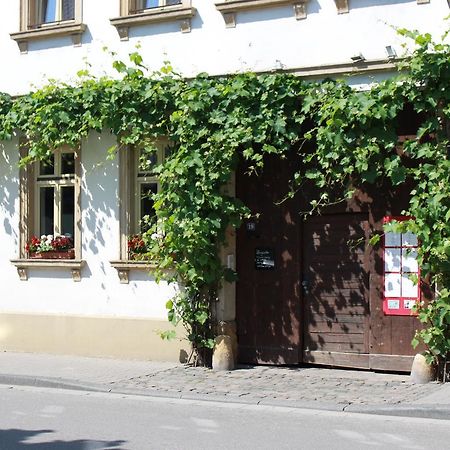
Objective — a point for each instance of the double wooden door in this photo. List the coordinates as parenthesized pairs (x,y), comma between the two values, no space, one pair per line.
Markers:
(311,290)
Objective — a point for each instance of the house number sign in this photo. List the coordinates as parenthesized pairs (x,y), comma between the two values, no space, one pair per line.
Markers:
(264,258)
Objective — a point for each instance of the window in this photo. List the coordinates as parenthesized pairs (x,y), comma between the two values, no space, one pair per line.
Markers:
(400,266)
(43,12)
(145,186)
(145,12)
(43,19)
(138,184)
(140,5)
(55,195)
(50,204)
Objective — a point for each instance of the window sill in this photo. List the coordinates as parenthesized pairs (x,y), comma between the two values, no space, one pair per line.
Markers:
(23,265)
(155,15)
(74,30)
(123,268)
(231,7)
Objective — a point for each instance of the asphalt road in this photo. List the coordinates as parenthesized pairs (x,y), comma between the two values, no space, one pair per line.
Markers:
(51,419)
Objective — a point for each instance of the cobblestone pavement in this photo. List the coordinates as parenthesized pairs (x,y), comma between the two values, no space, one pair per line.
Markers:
(262,383)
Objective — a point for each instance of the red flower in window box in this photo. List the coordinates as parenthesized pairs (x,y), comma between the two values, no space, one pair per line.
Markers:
(50,247)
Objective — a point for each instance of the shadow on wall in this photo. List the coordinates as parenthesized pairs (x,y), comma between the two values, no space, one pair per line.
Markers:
(16,439)
(9,184)
(58,42)
(368,3)
(98,190)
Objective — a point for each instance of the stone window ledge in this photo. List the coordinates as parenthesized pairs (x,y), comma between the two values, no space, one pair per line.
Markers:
(123,268)
(23,265)
(155,15)
(74,30)
(231,7)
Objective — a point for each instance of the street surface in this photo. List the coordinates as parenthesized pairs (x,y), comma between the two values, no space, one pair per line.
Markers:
(53,419)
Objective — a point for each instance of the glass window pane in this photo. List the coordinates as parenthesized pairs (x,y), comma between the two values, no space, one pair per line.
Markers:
(392,259)
(67,210)
(409,260)
(409,289)
(68,10)
(147,191)
(147,162)
(46,210)
(49,10)
(392,285)
(151,3)
(47,167)
(392,239)
(409,239)
(67,163)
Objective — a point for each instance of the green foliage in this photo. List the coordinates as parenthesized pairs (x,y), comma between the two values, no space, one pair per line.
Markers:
(345,138)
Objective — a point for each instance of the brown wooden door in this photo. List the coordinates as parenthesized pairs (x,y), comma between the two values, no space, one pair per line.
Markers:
(268,299)
(335,286)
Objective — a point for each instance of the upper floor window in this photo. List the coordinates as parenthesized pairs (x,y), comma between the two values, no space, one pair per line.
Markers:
(42,12)
(144,12)
(43,19)
(138,6)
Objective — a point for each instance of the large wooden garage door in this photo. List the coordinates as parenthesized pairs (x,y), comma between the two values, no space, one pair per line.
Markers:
(336,289)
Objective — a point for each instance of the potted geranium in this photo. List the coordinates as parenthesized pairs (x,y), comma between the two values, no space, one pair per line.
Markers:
(51,247)
(137,247)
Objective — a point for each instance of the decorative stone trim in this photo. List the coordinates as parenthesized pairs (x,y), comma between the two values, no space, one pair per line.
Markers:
(73,30)
(229,8)
(155,15)
(23,265)
(123,268)
(342,6)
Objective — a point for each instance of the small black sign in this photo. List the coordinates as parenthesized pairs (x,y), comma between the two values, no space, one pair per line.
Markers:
(264,258)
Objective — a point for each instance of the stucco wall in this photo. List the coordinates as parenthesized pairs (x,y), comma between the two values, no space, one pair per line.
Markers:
(53,291)
(262,40)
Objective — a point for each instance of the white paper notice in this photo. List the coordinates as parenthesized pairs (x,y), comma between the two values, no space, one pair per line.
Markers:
(392,285)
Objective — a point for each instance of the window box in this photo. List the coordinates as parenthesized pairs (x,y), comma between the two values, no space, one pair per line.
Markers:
(67,254)
(134,15)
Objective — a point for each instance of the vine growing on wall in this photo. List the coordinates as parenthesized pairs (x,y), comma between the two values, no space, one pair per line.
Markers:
(215,121)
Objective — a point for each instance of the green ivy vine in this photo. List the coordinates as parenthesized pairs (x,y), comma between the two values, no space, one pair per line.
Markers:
(214,121)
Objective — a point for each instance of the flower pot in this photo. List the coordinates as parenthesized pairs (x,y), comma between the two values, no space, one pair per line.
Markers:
(63,254)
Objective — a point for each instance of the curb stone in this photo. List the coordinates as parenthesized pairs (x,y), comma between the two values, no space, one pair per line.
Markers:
(441,412)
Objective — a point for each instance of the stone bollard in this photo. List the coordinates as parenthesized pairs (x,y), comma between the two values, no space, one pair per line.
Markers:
(421,372)
(229,329)
(223,358)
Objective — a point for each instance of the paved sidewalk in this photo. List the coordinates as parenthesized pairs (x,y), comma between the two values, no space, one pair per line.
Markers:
(308,387)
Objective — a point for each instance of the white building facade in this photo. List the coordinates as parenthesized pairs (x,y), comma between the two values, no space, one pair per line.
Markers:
(99,303)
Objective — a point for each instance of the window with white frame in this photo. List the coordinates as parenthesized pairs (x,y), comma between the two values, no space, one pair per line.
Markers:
(55,195)
(45,12)
(137,6)
(146,183)
(401,270)
(145,187)
(138,184)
